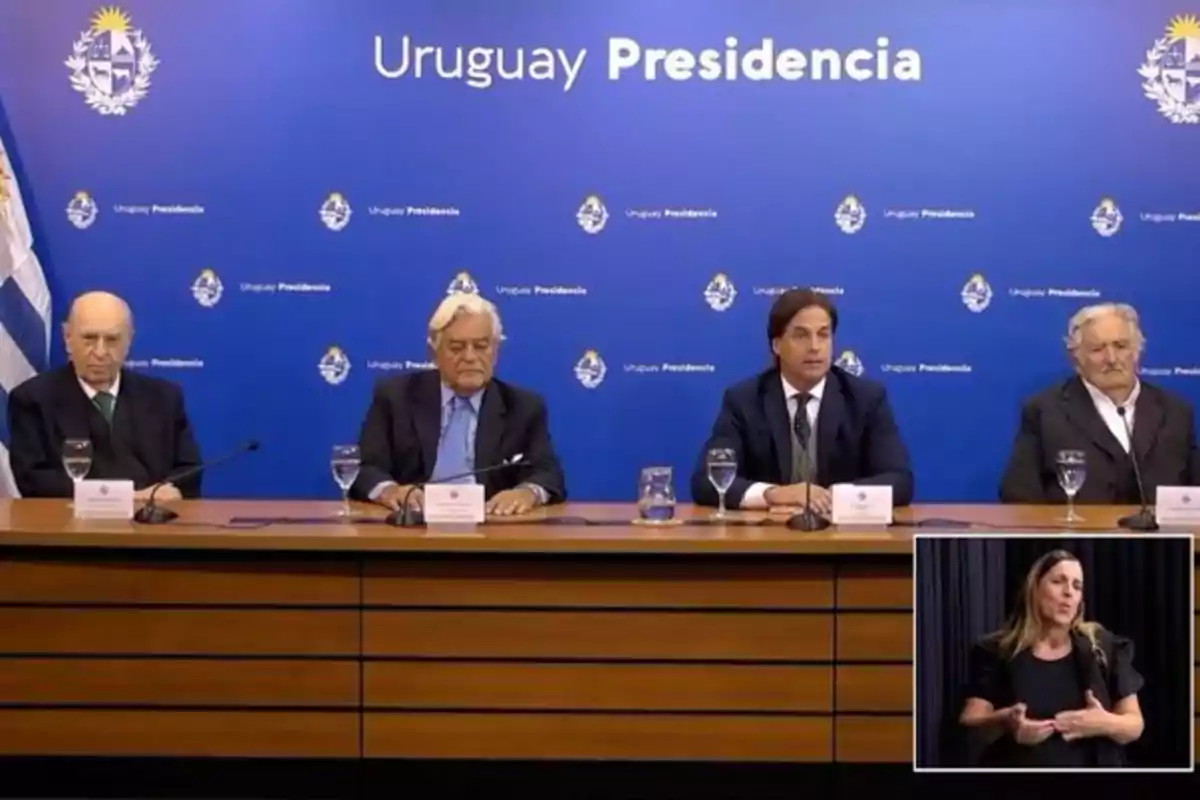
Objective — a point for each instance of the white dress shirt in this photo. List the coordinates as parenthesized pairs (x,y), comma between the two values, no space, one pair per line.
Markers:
(755,495)
(1108,411)
(92,391)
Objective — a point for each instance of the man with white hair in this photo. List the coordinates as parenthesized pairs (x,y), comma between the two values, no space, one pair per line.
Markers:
(1094,411)
(425,427)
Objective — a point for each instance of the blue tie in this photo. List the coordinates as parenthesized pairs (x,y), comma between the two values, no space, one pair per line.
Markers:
(455,453)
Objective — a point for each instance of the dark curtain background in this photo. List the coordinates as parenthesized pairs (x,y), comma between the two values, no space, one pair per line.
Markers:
(960,597)
(1138,588)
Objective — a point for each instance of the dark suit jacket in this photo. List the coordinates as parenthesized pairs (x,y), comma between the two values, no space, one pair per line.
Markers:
(399,438)
(857,438)
(1065,418)
(150,437)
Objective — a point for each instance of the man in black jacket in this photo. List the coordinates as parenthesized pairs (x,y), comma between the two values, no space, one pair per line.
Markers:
(1094,412)
(137,424)
(425,427)
(846,433)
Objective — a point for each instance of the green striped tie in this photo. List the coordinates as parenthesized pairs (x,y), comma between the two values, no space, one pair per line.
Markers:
(105,402)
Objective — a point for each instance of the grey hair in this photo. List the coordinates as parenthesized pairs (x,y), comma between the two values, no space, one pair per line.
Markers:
(455,306)
(1089,314)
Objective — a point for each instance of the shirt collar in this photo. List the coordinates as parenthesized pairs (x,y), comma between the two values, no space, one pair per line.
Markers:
(790,391)
(92,391)
(1101,398)
(474,398)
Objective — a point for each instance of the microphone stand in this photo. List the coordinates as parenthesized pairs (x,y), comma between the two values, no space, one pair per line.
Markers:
(407,517)
(1142,521)
(150,514)
(807,520)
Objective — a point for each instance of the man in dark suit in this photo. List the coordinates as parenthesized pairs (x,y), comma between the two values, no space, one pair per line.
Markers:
(137,424)
(846,433)
(427,426)
(1094,412)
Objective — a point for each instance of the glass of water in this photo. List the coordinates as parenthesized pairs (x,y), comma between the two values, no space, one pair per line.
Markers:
(722,469)
(77,458)
(1072,472)
(345,462)
(656,495)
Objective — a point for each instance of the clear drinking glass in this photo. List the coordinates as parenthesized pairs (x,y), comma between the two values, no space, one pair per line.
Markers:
(722,469)
(1072,472)
(656,495)
(77,459)
(345,463)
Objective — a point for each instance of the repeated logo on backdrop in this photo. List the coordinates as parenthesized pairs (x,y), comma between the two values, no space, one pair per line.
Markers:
(1171,72)
(111,63)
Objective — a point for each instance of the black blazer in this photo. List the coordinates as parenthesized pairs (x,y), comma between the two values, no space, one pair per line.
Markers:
(399,437)
(149,439)
(857,438)
(991,679)
(1065,418)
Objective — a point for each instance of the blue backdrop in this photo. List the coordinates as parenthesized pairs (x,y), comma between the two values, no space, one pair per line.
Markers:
(160,140)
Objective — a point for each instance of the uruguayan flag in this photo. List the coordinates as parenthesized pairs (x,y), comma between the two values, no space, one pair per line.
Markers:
(24,307)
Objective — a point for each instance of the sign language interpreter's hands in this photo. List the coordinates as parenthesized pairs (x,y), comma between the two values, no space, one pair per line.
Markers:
(1087,721)
(1028,731)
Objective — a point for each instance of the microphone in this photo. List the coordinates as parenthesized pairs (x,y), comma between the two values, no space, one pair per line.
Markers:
(1143,520)
(405,517)
(150,514)
(807,520)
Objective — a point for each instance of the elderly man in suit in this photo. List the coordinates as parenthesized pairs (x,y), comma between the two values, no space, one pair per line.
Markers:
(805,421)
(137,424)
(424,427)
(1094,412)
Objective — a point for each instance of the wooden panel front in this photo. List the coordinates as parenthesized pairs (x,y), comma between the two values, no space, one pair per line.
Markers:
(300,734)
(669,583)
(874,739)
(874,688)
(599,634)
(684,737)
(34,630)
(885,585)
(874,637)
(647,687)
(78,581)
(234,682)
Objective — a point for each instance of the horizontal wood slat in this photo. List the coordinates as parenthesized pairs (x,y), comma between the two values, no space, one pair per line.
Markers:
(682,737)
(93,580)
(874,739)
(179,683)
(875,585)
(178,631)
(305,734)
(648,687)
(598,634)
(874,688)
(605,583)
(874,637)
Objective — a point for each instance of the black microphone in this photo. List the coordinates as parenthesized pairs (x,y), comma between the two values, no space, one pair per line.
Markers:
(807,520)
(151,514)
(405,517)
(1143,520)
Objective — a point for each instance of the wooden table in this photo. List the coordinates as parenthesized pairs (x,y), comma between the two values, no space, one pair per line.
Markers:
(567,634)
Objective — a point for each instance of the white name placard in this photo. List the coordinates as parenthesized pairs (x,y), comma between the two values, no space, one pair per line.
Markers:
(454,503)
(103,499)
(1177,505)
(861,505)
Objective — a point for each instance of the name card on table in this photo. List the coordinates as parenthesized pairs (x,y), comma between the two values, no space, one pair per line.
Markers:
(103,499)
(861,505)
(1177,505)
(454,503)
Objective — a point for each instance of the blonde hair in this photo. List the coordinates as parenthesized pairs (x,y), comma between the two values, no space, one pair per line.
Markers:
(1089,314)
(457,305)
(1024,627)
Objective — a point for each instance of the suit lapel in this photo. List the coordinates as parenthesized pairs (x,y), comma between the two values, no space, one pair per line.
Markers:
(775,407)
(1148,419)
(72,407)
(1082,413)
(126,414)
(829,420)
(490,429)
(427,417)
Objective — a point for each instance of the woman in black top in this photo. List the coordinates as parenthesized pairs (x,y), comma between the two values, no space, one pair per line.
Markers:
(1050,689)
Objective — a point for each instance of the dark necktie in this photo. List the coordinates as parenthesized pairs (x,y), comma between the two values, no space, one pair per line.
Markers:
(105,402)
(802,468)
